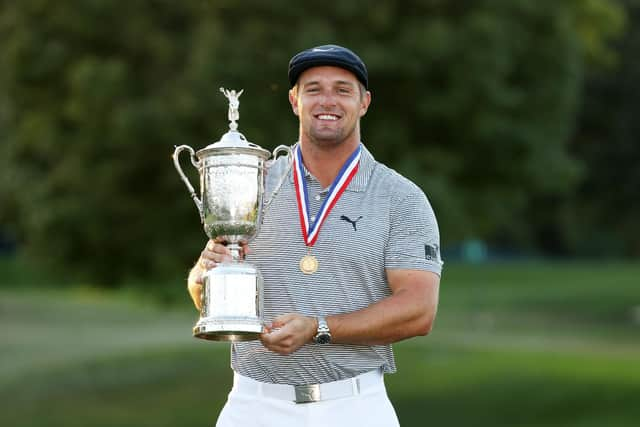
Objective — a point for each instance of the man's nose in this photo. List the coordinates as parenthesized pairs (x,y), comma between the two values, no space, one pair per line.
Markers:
(328,99)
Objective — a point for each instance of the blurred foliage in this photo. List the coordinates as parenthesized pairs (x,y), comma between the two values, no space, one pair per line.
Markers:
(606,206)
(475,101)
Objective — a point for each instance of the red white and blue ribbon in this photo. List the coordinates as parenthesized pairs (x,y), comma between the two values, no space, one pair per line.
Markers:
(311,229)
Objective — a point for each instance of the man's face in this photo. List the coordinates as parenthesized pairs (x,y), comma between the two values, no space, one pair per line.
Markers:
(329,104)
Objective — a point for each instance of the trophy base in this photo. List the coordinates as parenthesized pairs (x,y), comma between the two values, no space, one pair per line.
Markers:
(231,304)
(227,331)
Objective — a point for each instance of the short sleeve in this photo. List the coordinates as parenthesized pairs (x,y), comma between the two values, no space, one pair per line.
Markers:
(414,238)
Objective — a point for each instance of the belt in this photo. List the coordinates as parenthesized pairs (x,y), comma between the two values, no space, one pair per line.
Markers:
(310,392)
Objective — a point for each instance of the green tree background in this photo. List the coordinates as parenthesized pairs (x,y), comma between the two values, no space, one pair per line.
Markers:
(514,116)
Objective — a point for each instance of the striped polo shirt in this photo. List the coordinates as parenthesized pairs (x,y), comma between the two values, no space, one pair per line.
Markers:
(382,221)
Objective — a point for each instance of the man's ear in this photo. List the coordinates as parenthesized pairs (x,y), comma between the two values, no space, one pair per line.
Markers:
(293,100)
(364,103)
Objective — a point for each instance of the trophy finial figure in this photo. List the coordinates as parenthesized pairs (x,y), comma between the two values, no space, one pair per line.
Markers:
(234,105)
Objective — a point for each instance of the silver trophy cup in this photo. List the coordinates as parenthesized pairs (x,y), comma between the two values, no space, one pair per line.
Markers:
(231,206)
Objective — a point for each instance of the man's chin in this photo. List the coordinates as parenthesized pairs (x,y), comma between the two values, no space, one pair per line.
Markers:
(327,138)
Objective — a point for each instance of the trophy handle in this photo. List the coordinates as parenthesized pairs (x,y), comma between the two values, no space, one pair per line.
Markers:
(284,148)
(196,164)
(287,150)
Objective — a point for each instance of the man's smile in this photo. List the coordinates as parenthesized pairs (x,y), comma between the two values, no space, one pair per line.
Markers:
(327,117)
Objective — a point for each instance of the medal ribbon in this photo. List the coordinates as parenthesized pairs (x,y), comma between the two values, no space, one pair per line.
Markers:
(311,229)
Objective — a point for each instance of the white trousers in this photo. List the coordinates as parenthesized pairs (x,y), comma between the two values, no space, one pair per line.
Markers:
(254,404)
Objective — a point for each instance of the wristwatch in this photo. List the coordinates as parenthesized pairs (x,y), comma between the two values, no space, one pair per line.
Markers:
(323,334)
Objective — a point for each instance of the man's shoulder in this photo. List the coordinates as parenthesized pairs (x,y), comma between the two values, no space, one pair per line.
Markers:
(398,186)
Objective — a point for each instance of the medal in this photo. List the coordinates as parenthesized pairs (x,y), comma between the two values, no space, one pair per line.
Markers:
(311,229)
(308,264)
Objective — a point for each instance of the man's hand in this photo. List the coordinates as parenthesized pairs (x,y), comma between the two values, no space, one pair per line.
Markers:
(289,332)
(214,253)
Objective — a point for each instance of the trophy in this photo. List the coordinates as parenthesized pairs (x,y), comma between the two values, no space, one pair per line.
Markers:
(232,188)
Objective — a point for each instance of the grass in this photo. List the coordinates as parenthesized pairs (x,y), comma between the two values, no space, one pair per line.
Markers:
(507,388)
(526,345)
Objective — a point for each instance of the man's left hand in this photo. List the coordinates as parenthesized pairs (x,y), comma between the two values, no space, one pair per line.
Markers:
(289,332)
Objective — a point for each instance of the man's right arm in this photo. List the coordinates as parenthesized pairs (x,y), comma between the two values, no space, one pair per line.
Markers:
(194,283)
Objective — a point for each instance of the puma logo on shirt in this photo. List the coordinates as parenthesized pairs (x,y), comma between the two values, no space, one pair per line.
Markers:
(350,221)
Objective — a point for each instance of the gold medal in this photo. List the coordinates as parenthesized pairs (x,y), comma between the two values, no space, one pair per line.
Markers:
(308,264)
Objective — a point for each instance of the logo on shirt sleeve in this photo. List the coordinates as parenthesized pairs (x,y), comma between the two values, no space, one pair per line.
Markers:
(432,252)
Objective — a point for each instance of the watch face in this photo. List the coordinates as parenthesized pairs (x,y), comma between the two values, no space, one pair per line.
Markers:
(323,338)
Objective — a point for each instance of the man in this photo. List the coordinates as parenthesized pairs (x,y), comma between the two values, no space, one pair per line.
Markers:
(349,251)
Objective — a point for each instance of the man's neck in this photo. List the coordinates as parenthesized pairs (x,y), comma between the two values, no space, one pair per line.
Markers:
(324,163)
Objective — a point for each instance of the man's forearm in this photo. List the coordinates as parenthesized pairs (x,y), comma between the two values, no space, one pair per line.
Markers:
(194,285)
(397,317)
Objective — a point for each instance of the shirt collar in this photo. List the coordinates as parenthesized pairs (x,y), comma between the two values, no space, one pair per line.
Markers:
(361,178)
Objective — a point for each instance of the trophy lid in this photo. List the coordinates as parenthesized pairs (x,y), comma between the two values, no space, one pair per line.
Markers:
(233,142)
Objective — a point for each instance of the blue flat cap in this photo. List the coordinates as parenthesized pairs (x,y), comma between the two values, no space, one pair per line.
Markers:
(329,54)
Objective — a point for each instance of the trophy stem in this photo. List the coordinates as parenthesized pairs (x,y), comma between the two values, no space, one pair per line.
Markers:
(236,252)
